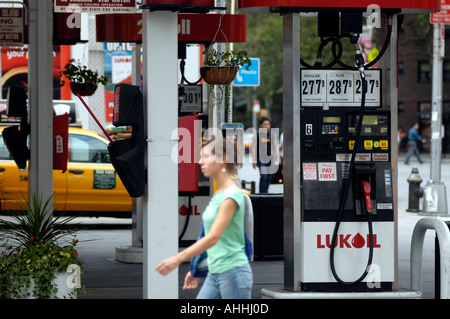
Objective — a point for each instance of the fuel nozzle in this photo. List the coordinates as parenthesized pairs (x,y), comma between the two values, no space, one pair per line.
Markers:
(366,190)
(359,60)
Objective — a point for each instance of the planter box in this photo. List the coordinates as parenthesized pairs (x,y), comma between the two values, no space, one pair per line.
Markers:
(67,284)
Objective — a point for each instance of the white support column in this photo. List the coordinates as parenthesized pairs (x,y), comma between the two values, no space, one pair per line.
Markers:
(291,131)
(40,94)
(160,202)
(393,93)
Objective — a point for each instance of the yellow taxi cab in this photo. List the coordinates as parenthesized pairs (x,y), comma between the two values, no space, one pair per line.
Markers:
(89,185)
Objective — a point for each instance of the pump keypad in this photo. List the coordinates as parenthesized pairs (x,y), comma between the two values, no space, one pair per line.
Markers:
(330,129)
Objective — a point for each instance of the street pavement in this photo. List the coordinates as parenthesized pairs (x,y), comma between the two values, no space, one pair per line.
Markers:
(104,277)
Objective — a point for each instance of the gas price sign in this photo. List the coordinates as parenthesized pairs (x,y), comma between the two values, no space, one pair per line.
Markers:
(191,99)
(341,88)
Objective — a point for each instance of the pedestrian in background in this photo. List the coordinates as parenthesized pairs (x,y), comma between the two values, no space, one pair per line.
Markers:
(265,153)
(413,138)
(229,272)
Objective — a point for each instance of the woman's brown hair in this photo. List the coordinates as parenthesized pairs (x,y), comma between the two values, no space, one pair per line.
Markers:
(224,147)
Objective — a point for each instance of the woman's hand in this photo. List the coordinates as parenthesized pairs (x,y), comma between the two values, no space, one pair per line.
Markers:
(191,282)
(167,265)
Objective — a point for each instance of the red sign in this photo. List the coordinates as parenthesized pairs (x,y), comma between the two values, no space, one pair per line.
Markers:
(192,28)
(95,6)
(11,27)
(347,241)
(442,16)
(60,140)
(274,5)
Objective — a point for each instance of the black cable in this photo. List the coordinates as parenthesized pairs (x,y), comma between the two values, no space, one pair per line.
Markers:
(186,222)
(318,63)
(337,55)
(183,78)
(345,195)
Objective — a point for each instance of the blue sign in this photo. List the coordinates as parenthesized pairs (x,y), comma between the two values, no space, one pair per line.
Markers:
(248,77)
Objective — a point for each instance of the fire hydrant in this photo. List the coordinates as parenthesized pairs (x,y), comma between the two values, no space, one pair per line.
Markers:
(415,191)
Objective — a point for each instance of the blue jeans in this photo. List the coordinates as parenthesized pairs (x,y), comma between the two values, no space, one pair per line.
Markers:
(264,183)
(413,149)
(265,179)
(233,284)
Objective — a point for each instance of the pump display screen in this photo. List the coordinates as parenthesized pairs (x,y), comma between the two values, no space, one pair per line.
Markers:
(373,125)
(370,120)
(331,119)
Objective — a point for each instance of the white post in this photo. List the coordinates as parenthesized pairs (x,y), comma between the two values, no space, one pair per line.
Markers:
(160,202)
(435,198)
(40,94)
(291,129)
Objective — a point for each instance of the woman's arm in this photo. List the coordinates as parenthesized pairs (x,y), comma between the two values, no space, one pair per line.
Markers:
(226,211)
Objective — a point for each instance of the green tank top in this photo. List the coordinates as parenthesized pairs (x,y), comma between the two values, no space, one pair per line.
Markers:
(229,252)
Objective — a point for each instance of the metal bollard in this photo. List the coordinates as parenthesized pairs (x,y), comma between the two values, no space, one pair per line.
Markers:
(415,191)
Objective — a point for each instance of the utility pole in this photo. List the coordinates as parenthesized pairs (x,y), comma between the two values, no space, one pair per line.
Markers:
(435,198)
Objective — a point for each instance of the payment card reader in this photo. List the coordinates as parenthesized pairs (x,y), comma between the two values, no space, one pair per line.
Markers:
(347,204)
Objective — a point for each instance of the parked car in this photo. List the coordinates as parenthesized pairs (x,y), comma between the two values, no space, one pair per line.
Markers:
(89,185)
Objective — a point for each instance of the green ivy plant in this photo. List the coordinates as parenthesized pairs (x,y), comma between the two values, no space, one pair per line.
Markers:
(34,248)
(78,73)
(231,58)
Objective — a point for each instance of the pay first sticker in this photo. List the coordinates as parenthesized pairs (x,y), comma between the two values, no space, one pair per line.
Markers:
(327,171)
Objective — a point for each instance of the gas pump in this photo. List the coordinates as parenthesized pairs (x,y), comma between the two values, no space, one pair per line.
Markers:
(346,189)
(127,156)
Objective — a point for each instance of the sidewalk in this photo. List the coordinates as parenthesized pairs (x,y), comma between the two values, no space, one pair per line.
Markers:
(106,278)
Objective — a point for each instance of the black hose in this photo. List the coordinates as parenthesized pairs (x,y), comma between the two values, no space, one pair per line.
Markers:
(344,196)
(337,55)
(183,78)
(186,222)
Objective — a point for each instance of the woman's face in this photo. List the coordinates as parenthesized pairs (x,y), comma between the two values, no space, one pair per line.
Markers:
(209,163)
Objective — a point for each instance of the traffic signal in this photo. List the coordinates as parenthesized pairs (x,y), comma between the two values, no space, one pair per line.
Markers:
(127,155)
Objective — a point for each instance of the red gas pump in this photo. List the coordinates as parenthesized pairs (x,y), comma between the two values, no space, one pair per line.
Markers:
(189,139)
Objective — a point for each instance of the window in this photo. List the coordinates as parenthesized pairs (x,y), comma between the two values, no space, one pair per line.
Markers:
(446,71)
(4,153)
(424,71)
(401,108)
(87,149)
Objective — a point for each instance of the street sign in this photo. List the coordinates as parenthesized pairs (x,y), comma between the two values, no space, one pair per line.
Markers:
(104,6)
(248,77)
(11,26)
(442,16)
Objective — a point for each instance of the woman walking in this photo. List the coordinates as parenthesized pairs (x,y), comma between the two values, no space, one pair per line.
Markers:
(229,273)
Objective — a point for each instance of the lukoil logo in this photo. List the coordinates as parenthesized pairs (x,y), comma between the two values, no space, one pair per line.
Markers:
(347,241)
(183,211)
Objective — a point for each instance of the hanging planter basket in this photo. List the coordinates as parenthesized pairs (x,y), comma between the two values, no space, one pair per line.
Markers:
(83,89)
(218,74)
